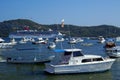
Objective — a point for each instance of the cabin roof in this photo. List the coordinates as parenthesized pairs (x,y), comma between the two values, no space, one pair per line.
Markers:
(72,50)
(92,56)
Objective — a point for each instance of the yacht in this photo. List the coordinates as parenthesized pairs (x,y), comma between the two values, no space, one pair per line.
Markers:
(40,41)
(113,52)
(51,45)
(58,39)
(13,42)
(25,40)
(112,49)
(73,61)
(4,45)
(101,39)
(118,39)
(72,41)
(22,60)
(34,33)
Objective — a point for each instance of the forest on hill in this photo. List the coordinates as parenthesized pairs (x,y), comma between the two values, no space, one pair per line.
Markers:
(9,26)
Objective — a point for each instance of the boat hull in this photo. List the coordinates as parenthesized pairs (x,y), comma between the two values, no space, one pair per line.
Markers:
(82,68)
(113,52)
(25,61)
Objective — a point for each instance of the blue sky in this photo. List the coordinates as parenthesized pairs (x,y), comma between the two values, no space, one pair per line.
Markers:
(77,12)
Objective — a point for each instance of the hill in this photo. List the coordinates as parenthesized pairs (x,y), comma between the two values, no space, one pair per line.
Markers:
(7,27)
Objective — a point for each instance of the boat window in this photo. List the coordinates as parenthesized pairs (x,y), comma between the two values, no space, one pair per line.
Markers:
(77,53)
(97,59)
(67,53)
(86,60)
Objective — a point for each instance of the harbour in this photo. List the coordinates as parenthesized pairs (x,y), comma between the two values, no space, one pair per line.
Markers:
(10,71)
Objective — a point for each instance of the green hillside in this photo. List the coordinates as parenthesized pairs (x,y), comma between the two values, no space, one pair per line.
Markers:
(7,27)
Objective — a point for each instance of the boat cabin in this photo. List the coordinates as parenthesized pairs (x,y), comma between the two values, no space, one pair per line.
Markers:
(75,57)
(70,54)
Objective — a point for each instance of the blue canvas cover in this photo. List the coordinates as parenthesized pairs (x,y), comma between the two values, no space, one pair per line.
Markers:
(59,50)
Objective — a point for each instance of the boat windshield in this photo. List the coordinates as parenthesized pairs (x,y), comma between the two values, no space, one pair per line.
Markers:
(77,53)
(67,53)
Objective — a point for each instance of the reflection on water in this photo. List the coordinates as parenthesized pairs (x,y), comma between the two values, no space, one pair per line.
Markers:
(91,76)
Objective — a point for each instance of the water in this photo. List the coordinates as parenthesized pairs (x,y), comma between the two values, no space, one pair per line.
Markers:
(36,71)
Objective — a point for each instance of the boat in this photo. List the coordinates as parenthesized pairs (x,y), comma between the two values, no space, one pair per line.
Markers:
(79,40)
(13,42)
(101,39)
(25,40)
(51,45)
(117,39)
(40,41)
(72,41)
(112,49)
(113,52)
(73,61)
(5,45)
(34,34)
(21,60)
(58,39)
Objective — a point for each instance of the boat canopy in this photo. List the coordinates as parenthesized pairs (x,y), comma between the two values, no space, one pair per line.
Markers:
(59,50)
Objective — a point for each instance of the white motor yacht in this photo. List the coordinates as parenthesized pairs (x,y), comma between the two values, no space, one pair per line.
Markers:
(73,61)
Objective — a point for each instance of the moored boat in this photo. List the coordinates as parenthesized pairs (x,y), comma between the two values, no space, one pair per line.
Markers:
(34,34)
(101,39)
(112,49)
(51,45)
(6,45)
(72,41)
(73,61)
(21,60)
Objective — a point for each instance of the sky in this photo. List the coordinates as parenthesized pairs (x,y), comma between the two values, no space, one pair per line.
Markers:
(76,12)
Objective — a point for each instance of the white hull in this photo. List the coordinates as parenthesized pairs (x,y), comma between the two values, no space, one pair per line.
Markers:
(26,61)
(116,55)
(113,52)
(6,45)
(117,39)
(102,41)
(82,68)
(51,46)
(35,60)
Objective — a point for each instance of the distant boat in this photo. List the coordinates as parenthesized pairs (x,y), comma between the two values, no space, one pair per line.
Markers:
(6,45)
(72,41)
(21,60)
(40,41)
(34,34)
(101,39)
(112,49)
(117,39)
(13,42)
(113,52)
(73,61)
(51,45)
(79,40)
(58,39)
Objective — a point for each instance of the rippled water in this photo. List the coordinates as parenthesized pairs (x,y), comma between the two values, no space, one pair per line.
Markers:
(36,71)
